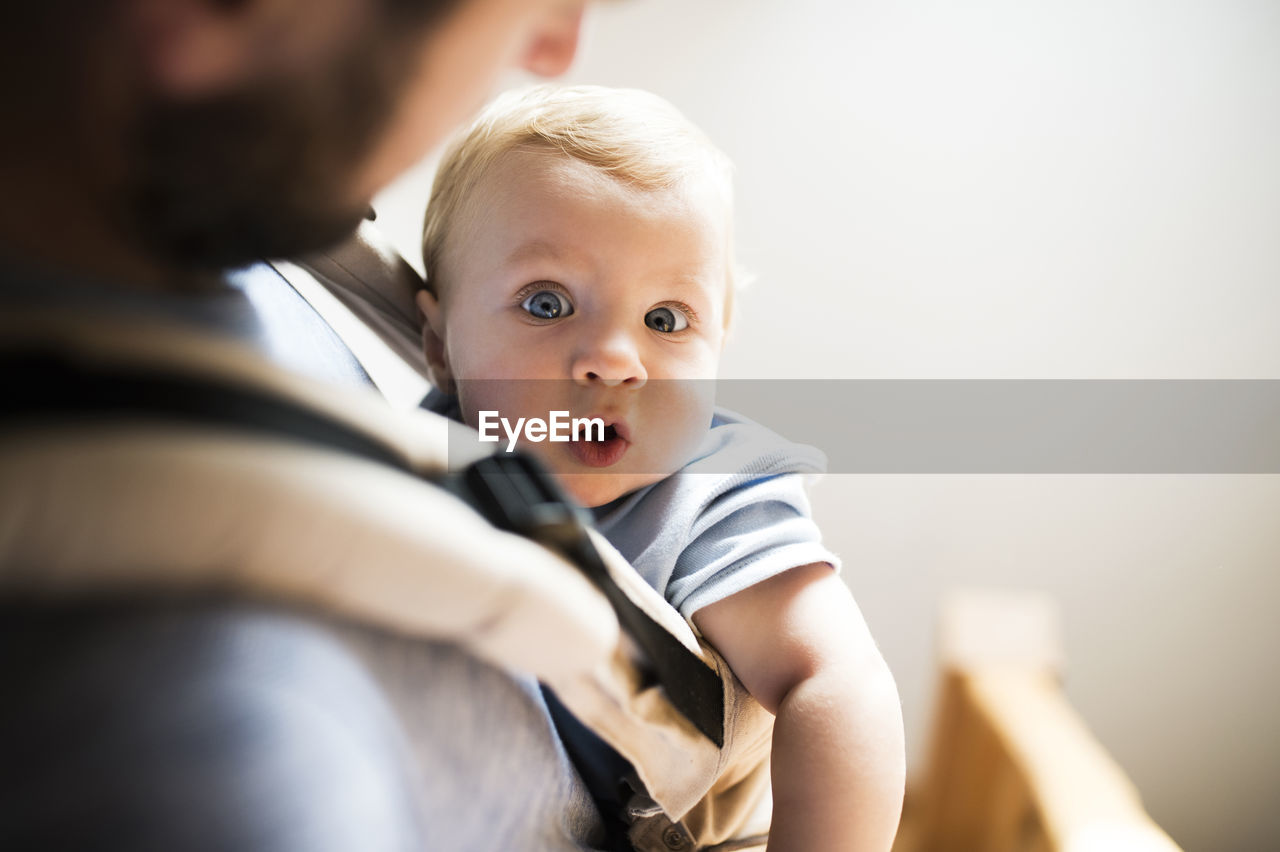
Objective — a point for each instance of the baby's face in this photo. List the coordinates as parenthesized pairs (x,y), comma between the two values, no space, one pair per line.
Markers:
(565,290)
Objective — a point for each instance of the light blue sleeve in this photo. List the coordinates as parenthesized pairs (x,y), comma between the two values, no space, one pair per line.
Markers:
(757,529)
(734,516)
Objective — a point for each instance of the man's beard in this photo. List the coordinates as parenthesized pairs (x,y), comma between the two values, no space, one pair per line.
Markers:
(263,173)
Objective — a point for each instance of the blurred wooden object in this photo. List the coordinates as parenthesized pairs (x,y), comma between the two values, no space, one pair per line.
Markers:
(1013,767)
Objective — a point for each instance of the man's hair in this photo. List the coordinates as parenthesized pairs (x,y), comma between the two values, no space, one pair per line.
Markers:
(633,136)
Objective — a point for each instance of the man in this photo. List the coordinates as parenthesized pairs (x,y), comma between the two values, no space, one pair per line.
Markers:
(160,137)
(154,144)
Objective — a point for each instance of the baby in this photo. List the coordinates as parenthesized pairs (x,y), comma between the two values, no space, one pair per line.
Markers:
(578,251)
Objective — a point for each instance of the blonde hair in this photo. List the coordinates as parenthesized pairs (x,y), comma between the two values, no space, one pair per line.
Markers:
(633,136)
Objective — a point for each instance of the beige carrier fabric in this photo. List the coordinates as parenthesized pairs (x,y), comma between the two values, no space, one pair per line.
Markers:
(718,794)
(119,506)
(182,508)
(421,438)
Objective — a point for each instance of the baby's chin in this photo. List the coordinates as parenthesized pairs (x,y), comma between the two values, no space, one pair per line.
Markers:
(597,489)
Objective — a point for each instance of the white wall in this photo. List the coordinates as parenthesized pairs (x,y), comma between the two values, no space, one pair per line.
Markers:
(994,189)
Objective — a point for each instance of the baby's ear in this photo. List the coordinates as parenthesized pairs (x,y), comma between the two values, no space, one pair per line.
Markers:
(433,341)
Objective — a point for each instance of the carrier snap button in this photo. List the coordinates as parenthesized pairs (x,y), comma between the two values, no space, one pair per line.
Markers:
(673,838)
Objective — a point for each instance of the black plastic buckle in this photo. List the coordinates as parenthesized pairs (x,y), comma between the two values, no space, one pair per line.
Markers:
(515,493)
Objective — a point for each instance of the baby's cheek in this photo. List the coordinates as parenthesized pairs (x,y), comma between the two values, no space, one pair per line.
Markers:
(542,450)
(497,397)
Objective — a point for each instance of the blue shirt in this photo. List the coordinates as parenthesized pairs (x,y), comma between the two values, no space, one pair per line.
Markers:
(735,515)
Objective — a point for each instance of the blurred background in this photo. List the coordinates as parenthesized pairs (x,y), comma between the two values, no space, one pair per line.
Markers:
(990,190)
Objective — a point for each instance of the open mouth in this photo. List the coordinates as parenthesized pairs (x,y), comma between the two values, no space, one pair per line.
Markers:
(602,453)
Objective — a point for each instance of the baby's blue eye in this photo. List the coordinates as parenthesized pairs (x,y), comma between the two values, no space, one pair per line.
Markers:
(666,320)
(547,304)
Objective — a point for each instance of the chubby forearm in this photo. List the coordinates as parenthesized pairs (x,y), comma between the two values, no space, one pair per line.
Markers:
(799,644)
(838,762)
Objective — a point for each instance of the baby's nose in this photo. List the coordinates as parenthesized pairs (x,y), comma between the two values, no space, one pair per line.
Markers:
(613,361)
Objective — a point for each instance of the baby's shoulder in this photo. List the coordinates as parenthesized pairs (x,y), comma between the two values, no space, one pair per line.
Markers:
(737,446)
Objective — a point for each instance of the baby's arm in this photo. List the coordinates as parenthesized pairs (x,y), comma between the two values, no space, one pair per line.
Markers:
(799,644)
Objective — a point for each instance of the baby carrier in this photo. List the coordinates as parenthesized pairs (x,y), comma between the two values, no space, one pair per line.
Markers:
(271,485)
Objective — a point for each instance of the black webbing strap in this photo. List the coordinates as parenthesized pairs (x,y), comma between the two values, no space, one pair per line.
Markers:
(44,385)
(511,491)
(516,494)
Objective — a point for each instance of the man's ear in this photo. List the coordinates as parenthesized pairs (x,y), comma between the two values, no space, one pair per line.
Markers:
(433,341)
(555,42)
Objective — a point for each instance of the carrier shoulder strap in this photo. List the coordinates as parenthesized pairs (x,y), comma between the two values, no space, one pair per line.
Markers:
(511,491)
